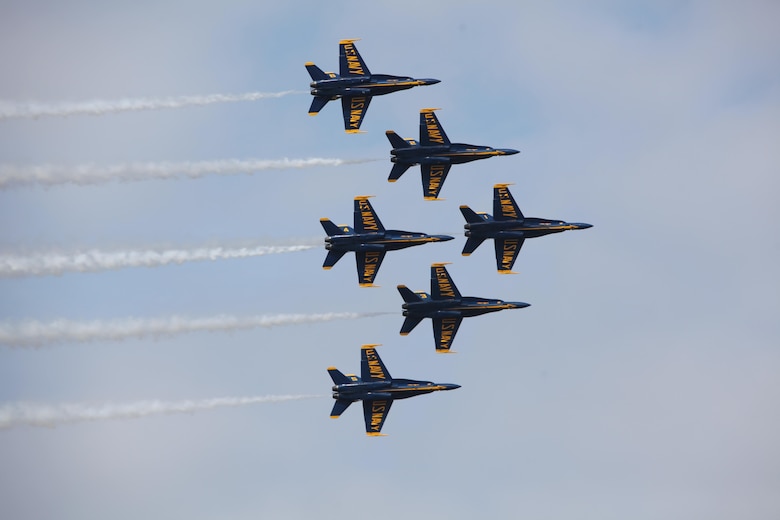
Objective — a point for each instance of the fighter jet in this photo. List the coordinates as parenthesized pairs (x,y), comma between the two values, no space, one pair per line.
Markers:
(446,307)
(434,153)
(508,228)
(376,388)
(369,240)
(355,85)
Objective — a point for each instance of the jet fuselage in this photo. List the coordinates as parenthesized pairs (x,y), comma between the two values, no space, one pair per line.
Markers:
(389,240)
(393,389)
(454,153)
(465,307)
(529,227)
(371,85)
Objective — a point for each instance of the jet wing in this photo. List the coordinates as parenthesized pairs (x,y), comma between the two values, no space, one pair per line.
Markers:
(444,330)
(442,286)
(368,263)
(507,250)
(350,61)
(431,132)
(504,205)
(371,366)
(375,412)
(354,108)
(366,219)
(433,176)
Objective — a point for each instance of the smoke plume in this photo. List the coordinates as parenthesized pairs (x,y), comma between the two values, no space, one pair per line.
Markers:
(31,334)
(84,174)
(95,260)
(98,107)
(50,415)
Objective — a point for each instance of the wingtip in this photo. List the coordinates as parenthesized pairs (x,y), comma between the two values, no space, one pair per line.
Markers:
(507,271)
(364,197)
(503,184)
(354,131)
(327,267)
(440,264)
(376,434)
(313,113)
(423,110)
(370,345)
(433,198)
(445,351)
(369,285)
(404,333)
(349,40)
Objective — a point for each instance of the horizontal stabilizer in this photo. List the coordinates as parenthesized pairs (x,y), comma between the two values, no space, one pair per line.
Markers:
(333,256)
(339,406)
(317,104)
(396,141)
(472,243)
(408,295)
(332,229)
(472,216)
(409,324)
(315,72)
(338,377)
(397,171)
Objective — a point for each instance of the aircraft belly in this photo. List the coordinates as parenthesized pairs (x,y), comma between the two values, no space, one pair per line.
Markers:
(477,311)
(405,394)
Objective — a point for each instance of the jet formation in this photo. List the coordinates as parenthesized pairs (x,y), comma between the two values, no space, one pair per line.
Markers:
(376,388)
(369,240)
(445,307)
(355,85)
(434,153)
(508,228)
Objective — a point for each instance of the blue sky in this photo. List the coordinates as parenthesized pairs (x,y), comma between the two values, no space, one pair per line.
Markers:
(642,382)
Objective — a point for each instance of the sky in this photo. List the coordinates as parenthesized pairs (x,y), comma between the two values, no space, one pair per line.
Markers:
(642,381)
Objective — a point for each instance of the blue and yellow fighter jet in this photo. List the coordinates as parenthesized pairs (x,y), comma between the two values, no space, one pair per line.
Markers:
(369,240)
(446,307)
(434,153)
(355,85)
(376,388)
(508,228)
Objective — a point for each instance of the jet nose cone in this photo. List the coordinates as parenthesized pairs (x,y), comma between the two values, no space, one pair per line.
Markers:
(430,81)
(450,386)
(517,305)
(508,151)
(582,225)
(442,238)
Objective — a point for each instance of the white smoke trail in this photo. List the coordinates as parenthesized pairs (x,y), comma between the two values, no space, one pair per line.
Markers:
(27,414)
(82,174)
(31,334)
(98,107)
(94,260)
